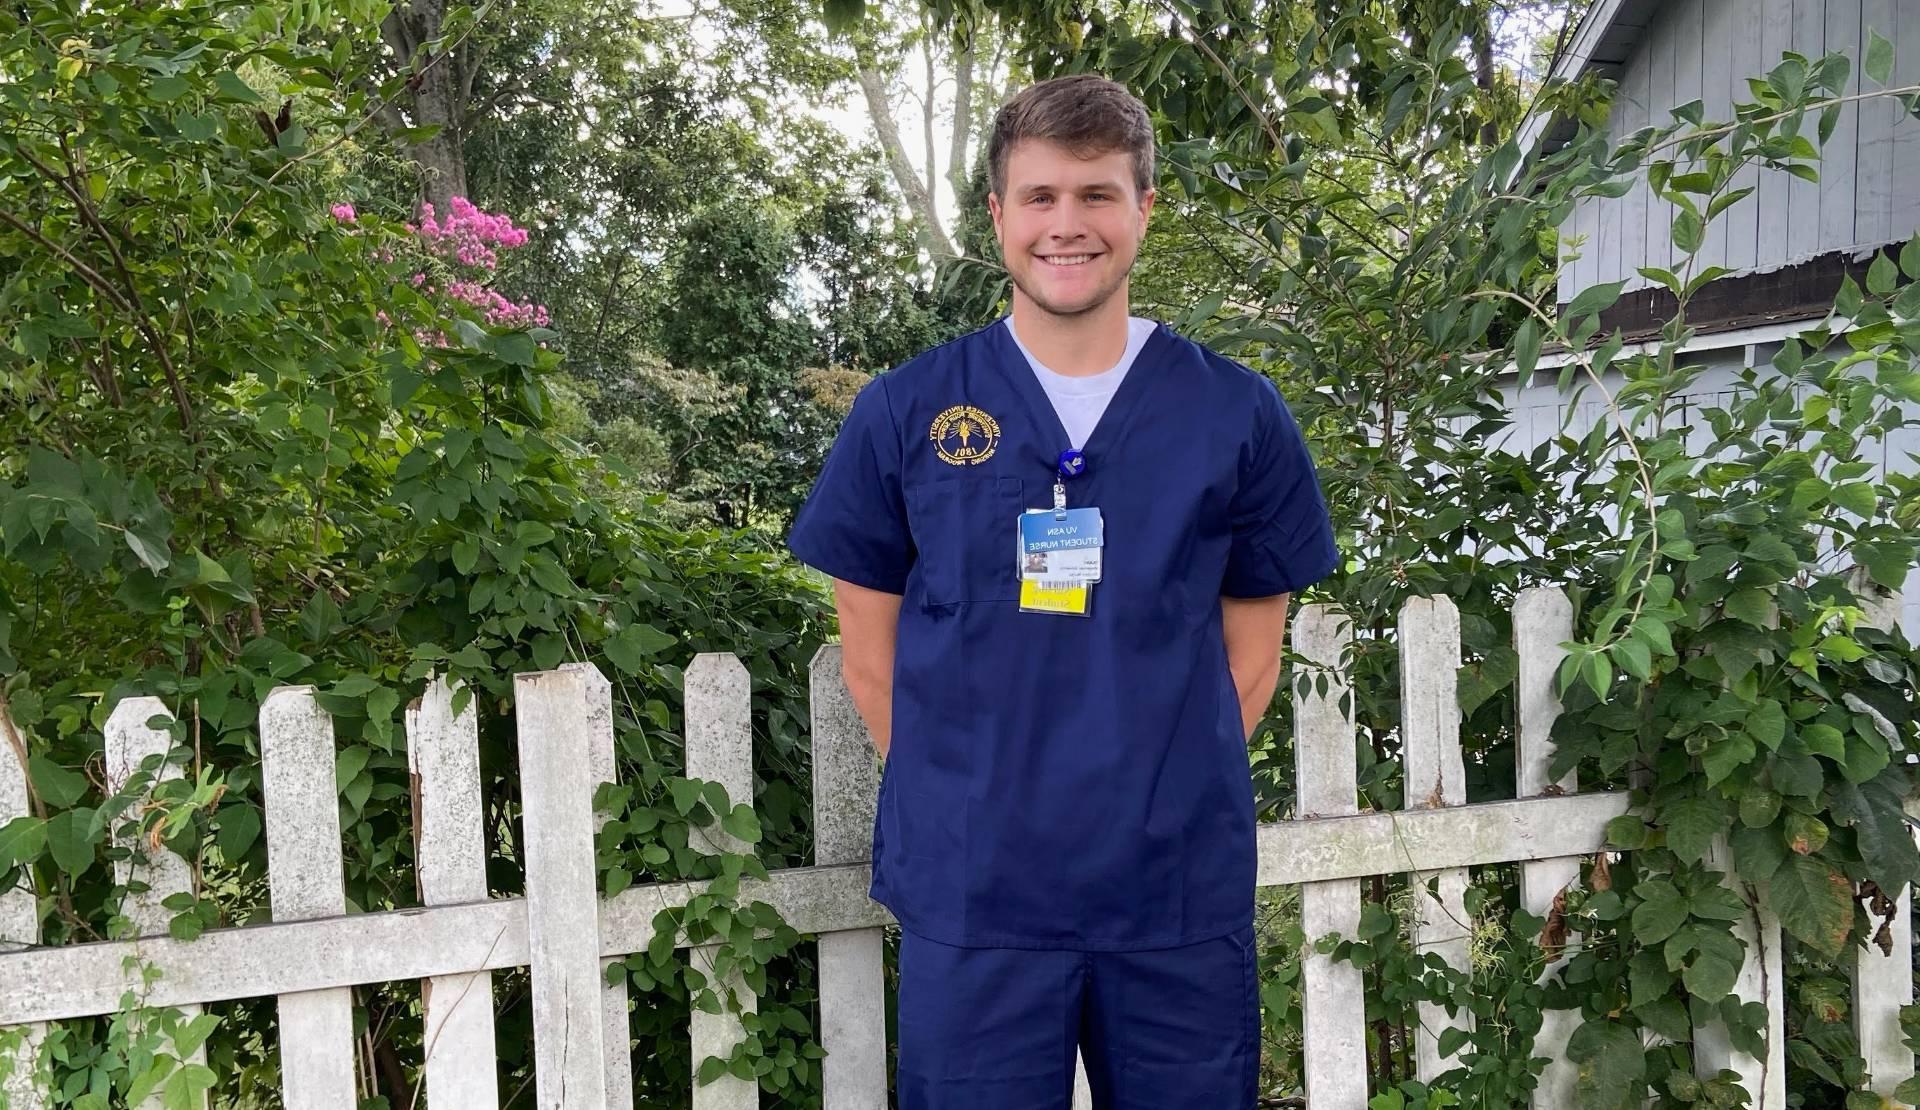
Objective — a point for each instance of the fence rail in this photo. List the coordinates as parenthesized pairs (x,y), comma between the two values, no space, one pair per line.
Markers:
(313,953)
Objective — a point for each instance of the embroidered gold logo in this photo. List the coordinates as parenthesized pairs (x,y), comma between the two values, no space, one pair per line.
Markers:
(964,435)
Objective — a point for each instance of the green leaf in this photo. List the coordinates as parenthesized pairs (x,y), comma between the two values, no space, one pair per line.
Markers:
(1759,807)
(1627,832)
(1797,775)
(630,648)
(349,764)
(1814,902)
(1610,1060)
(1752,605)
(1879,60)
(150,1080)
(840,16)
(1635,658)
(1710,976)
(233,87)
(1805,834)
(516,348)
(1757,853)
(686,795)
(1692,823)
(1722,759)
(1882,275)
(58,787)
(1593,299)
(1526,347)
(239,828)
(1825,740)
(1662,912)
(190,1036)
(1688,230)
(22,838)
(1767,724)
(742,823)
(152,553)
(1857,498)
(1598,673)
(70,842)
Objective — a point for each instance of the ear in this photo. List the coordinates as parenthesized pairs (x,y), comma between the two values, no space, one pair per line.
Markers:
(994,210)
(1146,209)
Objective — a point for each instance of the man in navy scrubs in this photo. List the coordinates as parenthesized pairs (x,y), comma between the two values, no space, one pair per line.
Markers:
(1062,549)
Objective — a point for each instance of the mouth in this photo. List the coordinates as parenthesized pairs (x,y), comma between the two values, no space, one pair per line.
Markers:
(1067,261)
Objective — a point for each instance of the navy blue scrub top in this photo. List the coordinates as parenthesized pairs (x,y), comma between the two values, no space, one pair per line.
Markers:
(1060,781)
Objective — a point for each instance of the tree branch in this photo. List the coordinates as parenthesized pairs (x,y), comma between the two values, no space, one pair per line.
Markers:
(105,288)
(932,237)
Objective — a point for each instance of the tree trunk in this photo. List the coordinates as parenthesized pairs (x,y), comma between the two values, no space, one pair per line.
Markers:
(959,166)
(438,98)
(933,239)
(1484,76)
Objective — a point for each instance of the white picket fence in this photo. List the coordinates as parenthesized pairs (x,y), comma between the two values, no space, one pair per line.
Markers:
(314,953)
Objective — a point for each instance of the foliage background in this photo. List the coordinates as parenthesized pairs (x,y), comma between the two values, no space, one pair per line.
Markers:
(1342,207)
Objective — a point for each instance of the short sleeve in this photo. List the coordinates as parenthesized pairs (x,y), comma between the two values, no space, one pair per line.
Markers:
(854,523)
(1282,537)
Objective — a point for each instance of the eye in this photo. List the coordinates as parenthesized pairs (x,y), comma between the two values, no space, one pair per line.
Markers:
(1098,196)
(1040,198)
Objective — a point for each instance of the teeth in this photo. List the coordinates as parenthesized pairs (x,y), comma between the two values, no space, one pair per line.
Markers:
(1069,259)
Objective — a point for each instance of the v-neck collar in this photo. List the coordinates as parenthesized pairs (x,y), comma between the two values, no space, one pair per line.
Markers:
(1112,425)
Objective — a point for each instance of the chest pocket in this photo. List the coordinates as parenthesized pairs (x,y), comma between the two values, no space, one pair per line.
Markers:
(964,532)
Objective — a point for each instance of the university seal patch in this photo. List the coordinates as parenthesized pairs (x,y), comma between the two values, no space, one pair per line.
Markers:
(964,435)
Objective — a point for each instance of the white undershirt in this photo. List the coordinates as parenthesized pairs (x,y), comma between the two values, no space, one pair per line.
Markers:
(1080,400)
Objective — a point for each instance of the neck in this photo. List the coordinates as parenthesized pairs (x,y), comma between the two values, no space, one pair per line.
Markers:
(1089,343)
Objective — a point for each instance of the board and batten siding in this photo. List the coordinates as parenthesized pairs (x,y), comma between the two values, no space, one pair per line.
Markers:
(1541,412)
(1705,50)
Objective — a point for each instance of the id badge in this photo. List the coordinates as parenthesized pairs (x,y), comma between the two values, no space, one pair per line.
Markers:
(1057,547)
(1060,558)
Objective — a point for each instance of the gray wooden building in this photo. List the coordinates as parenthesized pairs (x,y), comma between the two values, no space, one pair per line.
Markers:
(1787,245)
(1664,53)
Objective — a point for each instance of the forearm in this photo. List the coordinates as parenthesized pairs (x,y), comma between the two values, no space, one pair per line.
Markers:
(1255,684)
(1254,630)
(871,685)
(869,623)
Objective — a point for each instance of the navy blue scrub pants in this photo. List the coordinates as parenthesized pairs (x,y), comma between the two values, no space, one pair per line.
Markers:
(996,1028)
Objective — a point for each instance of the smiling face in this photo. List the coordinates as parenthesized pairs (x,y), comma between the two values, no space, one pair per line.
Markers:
(1069,227)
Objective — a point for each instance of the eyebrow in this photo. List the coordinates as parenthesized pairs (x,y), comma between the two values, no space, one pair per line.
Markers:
(1096,187)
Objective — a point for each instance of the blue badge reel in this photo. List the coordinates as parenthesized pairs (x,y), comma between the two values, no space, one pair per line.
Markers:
(1060,549)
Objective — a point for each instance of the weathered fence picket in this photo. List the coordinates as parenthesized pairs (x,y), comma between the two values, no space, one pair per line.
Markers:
(1434,775)
(1883,980)
(450,860)
(853,1004)
(1542,621)
(563,897)
(1334,1031)
(1882,984)
(159,874)
(313,954)
(720,749)
(19,922)
(305,880)
(1760,980)
(615,1012)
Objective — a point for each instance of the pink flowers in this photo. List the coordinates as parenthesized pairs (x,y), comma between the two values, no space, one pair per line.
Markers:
(468,235)
(463,248)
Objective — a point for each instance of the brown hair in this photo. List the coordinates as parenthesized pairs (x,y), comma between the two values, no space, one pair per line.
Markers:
(1086,113)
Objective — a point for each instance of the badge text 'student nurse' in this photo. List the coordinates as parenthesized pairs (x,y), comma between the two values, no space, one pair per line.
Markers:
(1062,549)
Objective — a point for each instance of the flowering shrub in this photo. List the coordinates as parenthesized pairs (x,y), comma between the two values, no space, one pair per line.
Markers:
(468,242)
(459,257)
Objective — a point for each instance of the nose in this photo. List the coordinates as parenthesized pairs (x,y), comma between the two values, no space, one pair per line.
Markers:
(1069,221)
